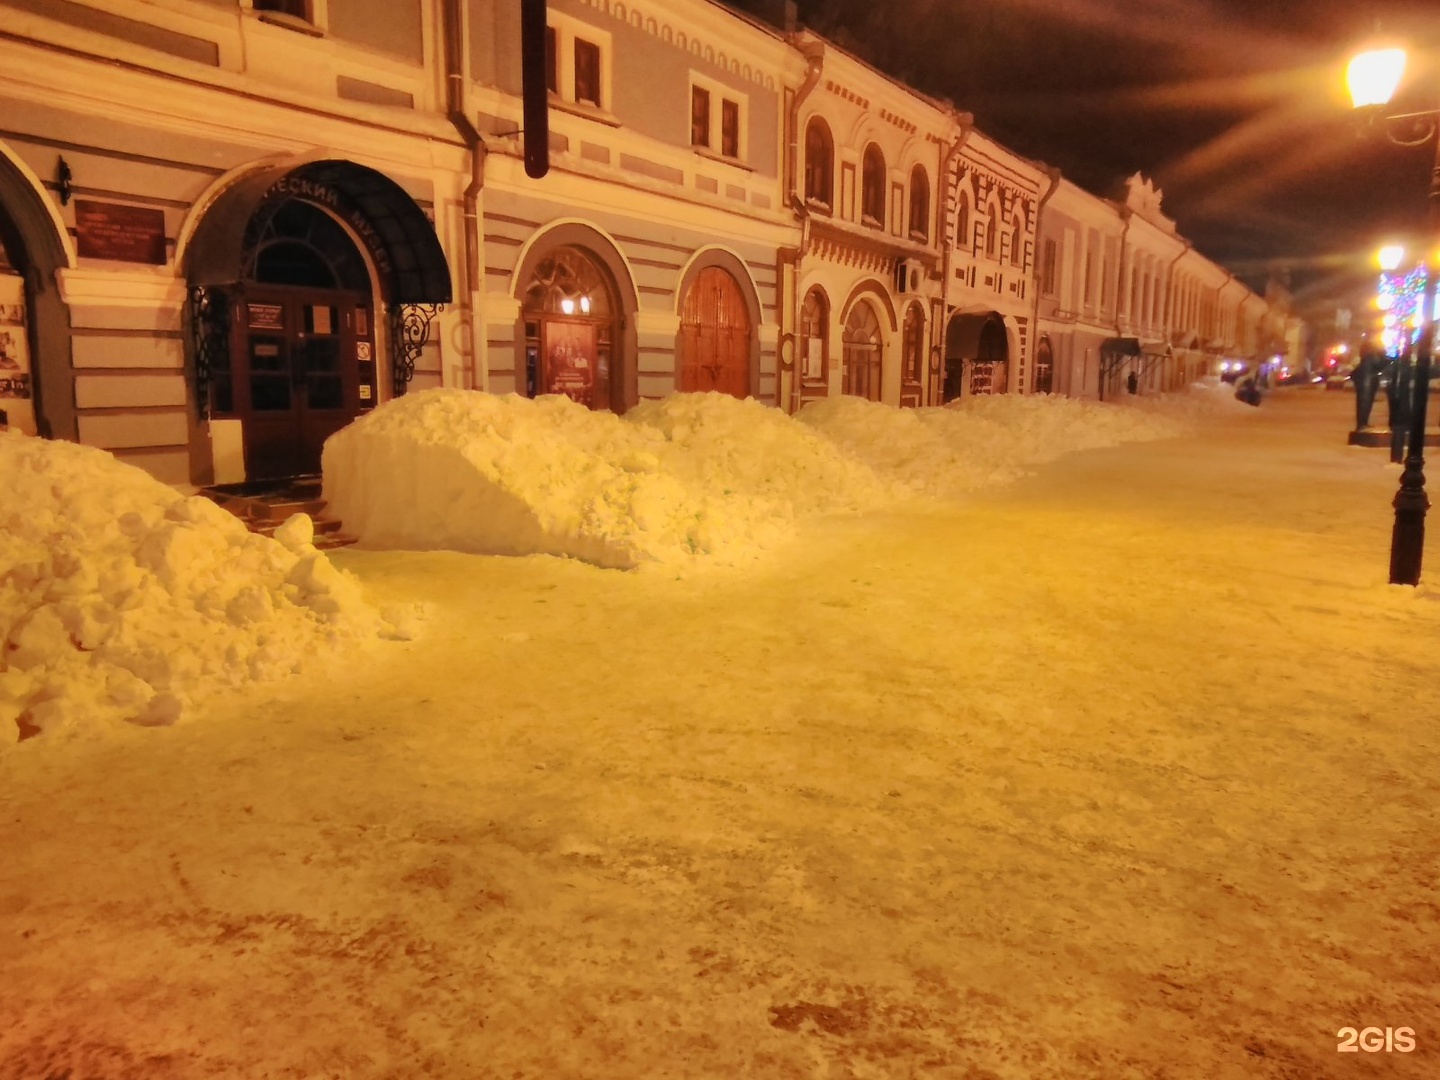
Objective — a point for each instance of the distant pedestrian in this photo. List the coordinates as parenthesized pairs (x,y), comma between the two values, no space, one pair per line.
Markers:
(1398,394)
(1366,378)
(1133,383)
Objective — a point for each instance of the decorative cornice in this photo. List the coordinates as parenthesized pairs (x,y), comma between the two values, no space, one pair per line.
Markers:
(634,16)
(899,121)
(846,93)
(871,250)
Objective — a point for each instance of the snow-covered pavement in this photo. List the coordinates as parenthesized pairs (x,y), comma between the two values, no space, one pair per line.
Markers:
(1129,768)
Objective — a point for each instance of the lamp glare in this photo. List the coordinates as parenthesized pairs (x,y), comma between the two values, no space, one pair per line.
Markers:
(1373,76)
(1390,256)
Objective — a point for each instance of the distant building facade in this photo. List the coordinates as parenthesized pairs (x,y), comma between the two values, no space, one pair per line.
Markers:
(230,227)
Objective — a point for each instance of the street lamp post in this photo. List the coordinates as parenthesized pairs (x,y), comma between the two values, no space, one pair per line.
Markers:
(1373,77)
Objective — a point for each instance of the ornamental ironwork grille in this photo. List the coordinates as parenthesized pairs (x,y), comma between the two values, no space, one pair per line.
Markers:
(210,333)
(409,332)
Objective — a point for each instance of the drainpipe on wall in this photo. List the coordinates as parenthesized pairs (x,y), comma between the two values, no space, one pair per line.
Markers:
(966,123)
(456,111)
(1054,175)
(814,53)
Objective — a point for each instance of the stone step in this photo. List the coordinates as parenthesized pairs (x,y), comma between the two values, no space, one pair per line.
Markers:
(267,526)
(265,511)
(279,510)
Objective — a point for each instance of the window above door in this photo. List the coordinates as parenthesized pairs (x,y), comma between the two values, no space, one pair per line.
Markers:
(717,119)
(579,60)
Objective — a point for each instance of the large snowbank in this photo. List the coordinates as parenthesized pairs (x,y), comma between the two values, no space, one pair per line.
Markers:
(122,600)
(697,474)
(691,475)
(980,442)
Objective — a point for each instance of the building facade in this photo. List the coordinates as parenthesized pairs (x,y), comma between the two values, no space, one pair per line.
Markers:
(230,227)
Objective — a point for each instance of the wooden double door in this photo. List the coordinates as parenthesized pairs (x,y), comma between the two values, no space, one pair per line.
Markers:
(303,366)
(715,336)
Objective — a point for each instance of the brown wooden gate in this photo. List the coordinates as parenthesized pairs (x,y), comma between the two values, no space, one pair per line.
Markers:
(715,336)
(303,367)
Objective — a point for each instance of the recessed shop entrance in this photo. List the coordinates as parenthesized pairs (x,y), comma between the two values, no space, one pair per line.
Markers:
(977,354)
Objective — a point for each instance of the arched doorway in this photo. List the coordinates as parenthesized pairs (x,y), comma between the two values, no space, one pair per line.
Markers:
(912,356)
(37,378)
(1044,367)
(862,343)
(16,374)
(976,356)
(715,336)
(569,312)
(288,329)
(814,345)
(302,352)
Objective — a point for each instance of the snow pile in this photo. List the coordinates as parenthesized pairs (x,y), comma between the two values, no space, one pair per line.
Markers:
(700,474)
(121,600)
(982,441)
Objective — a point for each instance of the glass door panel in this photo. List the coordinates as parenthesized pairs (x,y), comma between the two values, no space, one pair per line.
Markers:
(270,373)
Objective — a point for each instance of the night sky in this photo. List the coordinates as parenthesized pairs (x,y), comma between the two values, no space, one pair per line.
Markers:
(1235,108)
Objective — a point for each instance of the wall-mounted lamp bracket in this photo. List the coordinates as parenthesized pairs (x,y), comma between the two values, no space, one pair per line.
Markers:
(62,180)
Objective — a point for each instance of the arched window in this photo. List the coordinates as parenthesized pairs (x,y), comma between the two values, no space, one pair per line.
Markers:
(862,353)
(815,337)
(1017,255)
(819,163)
(992,234)
(919,204)
(914,344)
(301,245)
(872,187)
(962,220)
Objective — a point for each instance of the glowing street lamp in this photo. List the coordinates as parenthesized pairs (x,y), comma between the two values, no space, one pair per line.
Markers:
(1373,77)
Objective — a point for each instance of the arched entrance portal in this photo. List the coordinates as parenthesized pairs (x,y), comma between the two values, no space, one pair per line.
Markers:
(912,368)
(289,335)
(862,351)
(37,378)
(569,313)
(302,351)
(1044,367)
(715,336)
(977,353)
(16,374)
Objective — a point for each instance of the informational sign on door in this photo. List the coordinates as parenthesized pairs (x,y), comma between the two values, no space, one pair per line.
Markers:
(570,361)
(266,316)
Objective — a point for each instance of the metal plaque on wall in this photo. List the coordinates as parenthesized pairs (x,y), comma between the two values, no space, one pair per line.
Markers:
(116,231)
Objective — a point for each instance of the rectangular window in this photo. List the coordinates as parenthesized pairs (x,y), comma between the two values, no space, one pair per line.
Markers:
(699,116)
(587,72)
(1047,270)
(730,128)
(552,61)
(299,9)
